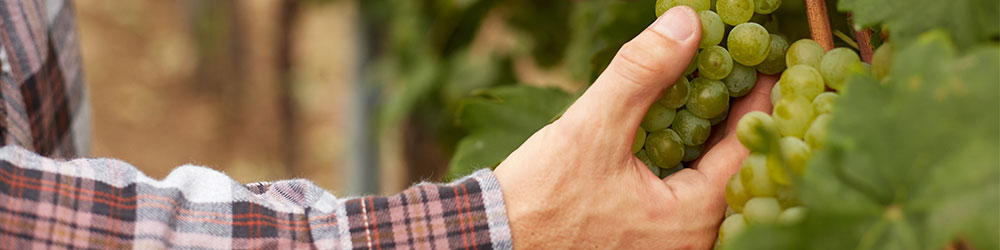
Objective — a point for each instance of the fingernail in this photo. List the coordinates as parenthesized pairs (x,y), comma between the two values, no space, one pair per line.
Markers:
(678,23)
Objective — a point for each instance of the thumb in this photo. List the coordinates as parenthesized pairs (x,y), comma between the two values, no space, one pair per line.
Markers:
(643,68)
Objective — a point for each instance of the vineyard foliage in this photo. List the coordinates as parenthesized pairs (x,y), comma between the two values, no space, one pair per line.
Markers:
(910,163)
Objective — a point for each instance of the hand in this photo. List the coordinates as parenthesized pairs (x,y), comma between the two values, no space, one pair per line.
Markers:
(575,182)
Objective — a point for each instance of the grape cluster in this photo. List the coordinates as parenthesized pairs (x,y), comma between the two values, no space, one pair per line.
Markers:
(782,143)
(734,47)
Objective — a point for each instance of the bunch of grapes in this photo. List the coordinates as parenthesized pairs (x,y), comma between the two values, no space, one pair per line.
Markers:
(734,47)
(781,143)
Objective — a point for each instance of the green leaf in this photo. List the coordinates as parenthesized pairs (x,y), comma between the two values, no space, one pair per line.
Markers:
(876,38)
(911,163)
(544,23)
(969,21)
(603,25)
(467,72)
(500,119)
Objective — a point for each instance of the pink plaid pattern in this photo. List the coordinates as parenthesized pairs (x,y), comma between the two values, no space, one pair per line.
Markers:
(47,203)
(42,93)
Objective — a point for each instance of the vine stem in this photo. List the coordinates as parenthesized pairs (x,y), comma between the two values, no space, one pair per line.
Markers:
(819,23)
(863,37)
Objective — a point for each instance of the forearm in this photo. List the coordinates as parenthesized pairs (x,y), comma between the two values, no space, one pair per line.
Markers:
(101,203)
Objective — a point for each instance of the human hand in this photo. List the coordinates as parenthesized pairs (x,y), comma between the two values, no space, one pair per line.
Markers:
(575,182)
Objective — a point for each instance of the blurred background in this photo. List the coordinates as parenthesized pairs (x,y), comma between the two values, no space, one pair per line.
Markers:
(259,89)
(359,96)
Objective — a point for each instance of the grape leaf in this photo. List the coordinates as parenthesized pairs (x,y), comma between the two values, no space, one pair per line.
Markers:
(499,119)
(603,26)
(910,164)
(969,21)
(544,22)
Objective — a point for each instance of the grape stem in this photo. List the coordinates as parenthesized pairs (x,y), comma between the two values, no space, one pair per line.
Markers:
(819,23)
(863,37)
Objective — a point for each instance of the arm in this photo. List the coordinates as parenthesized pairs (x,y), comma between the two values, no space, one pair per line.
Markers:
(102,203)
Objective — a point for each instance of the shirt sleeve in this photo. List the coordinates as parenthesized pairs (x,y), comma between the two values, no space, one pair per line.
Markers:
(104,203)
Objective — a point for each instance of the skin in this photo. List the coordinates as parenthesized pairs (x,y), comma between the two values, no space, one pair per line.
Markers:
(575,183)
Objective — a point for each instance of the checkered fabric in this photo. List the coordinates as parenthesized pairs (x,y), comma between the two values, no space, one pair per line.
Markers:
(108,204)
(43,103)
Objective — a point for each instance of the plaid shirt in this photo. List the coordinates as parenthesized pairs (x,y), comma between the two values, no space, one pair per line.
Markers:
(46,202)
(44,105)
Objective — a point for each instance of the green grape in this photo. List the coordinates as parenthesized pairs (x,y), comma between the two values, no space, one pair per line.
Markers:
(692,152)
(658,118)
(664,148)
(823,103)
(791,216)
(712,28)
(640,139)
(735,12)
(792,116)
(761,210)
(775,61)
(801,80)
(719,118)
(708,99)
(749,43)
(731,227)
(757,131)
(676,95)
(882,60)
(693,65)
(698,5)
(753,174)
(806,52)
(794,155)
(776,92)
(816,134)
(736,193)
(766,6)
(714,63)
(692,129)
(867,68)
(787,196)
(837,65)
(741,80)
(649,164)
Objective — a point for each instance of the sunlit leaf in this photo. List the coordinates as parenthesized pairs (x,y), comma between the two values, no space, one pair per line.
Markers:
(499,120)
(910,164)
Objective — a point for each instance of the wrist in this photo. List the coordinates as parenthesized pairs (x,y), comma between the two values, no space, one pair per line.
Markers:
(538,215)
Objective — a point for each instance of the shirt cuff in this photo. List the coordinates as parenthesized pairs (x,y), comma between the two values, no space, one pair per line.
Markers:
(496,210)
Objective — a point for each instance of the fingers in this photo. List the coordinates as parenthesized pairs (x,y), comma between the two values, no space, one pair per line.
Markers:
(723,160)
(636,77)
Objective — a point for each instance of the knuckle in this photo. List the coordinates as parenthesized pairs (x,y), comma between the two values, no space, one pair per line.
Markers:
(645,59)
(638,62)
